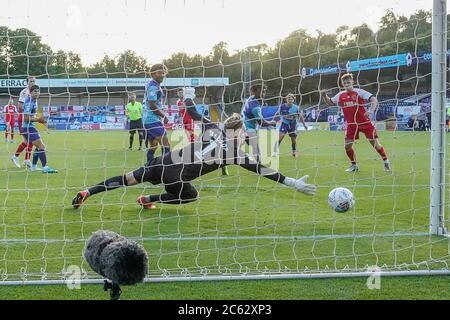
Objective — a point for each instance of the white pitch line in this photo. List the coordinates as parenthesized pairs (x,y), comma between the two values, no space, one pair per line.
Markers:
(211,238)
(322,185)
(199,185)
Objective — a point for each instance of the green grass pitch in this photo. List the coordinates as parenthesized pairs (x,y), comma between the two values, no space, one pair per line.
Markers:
(242,223)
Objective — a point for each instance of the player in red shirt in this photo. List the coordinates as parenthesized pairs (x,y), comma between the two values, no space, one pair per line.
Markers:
(10,111)
(31,80)
(188,122)
(352,101)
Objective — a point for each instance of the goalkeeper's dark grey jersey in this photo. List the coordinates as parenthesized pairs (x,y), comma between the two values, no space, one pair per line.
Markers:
(208,153)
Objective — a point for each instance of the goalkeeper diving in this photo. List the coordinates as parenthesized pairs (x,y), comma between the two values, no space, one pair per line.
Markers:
(178,168)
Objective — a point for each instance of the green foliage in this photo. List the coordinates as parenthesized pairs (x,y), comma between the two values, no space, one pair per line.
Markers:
(22,53)
(65,64)
(127,64)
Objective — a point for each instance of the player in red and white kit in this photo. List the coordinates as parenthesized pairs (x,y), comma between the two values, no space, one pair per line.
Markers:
(10,111)
(188,122)
(353,101)
(31,81)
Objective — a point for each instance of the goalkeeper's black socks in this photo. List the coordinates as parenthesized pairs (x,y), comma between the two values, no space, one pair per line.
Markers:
(110,184)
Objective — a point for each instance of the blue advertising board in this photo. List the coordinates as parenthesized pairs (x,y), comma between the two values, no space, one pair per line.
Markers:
(392,61)
(68,126)
(397,60)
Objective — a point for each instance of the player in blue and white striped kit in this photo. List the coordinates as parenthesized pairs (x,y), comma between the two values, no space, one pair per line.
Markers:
(289,113)
(253,118)
(30,133)
(154,117)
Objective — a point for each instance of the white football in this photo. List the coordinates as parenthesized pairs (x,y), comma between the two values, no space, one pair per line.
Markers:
(341,199)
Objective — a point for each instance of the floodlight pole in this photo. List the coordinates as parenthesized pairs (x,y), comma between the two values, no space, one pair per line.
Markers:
(438,118)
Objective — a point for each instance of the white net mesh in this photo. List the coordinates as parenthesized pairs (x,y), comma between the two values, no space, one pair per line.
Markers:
(242,224)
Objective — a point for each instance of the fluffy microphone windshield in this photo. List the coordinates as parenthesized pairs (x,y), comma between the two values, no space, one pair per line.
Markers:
(116,258)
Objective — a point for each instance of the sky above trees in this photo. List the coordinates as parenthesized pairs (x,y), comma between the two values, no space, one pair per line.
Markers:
(155,29)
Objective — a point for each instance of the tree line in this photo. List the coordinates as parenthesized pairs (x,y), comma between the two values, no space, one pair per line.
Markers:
(22,52)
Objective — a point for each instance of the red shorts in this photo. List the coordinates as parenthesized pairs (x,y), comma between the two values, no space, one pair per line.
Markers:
(9,119)
(189,126)
(352,132)
(10,122)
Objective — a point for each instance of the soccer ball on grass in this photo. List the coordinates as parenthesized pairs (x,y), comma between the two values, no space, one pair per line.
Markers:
(341,200)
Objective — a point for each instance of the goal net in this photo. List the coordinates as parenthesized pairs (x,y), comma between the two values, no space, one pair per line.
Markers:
(243,225)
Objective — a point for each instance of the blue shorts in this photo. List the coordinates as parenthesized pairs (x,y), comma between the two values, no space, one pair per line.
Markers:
(30,134)
(289,128)
(154,130)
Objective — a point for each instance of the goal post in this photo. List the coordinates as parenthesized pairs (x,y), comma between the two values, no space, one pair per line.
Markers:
(439,124)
